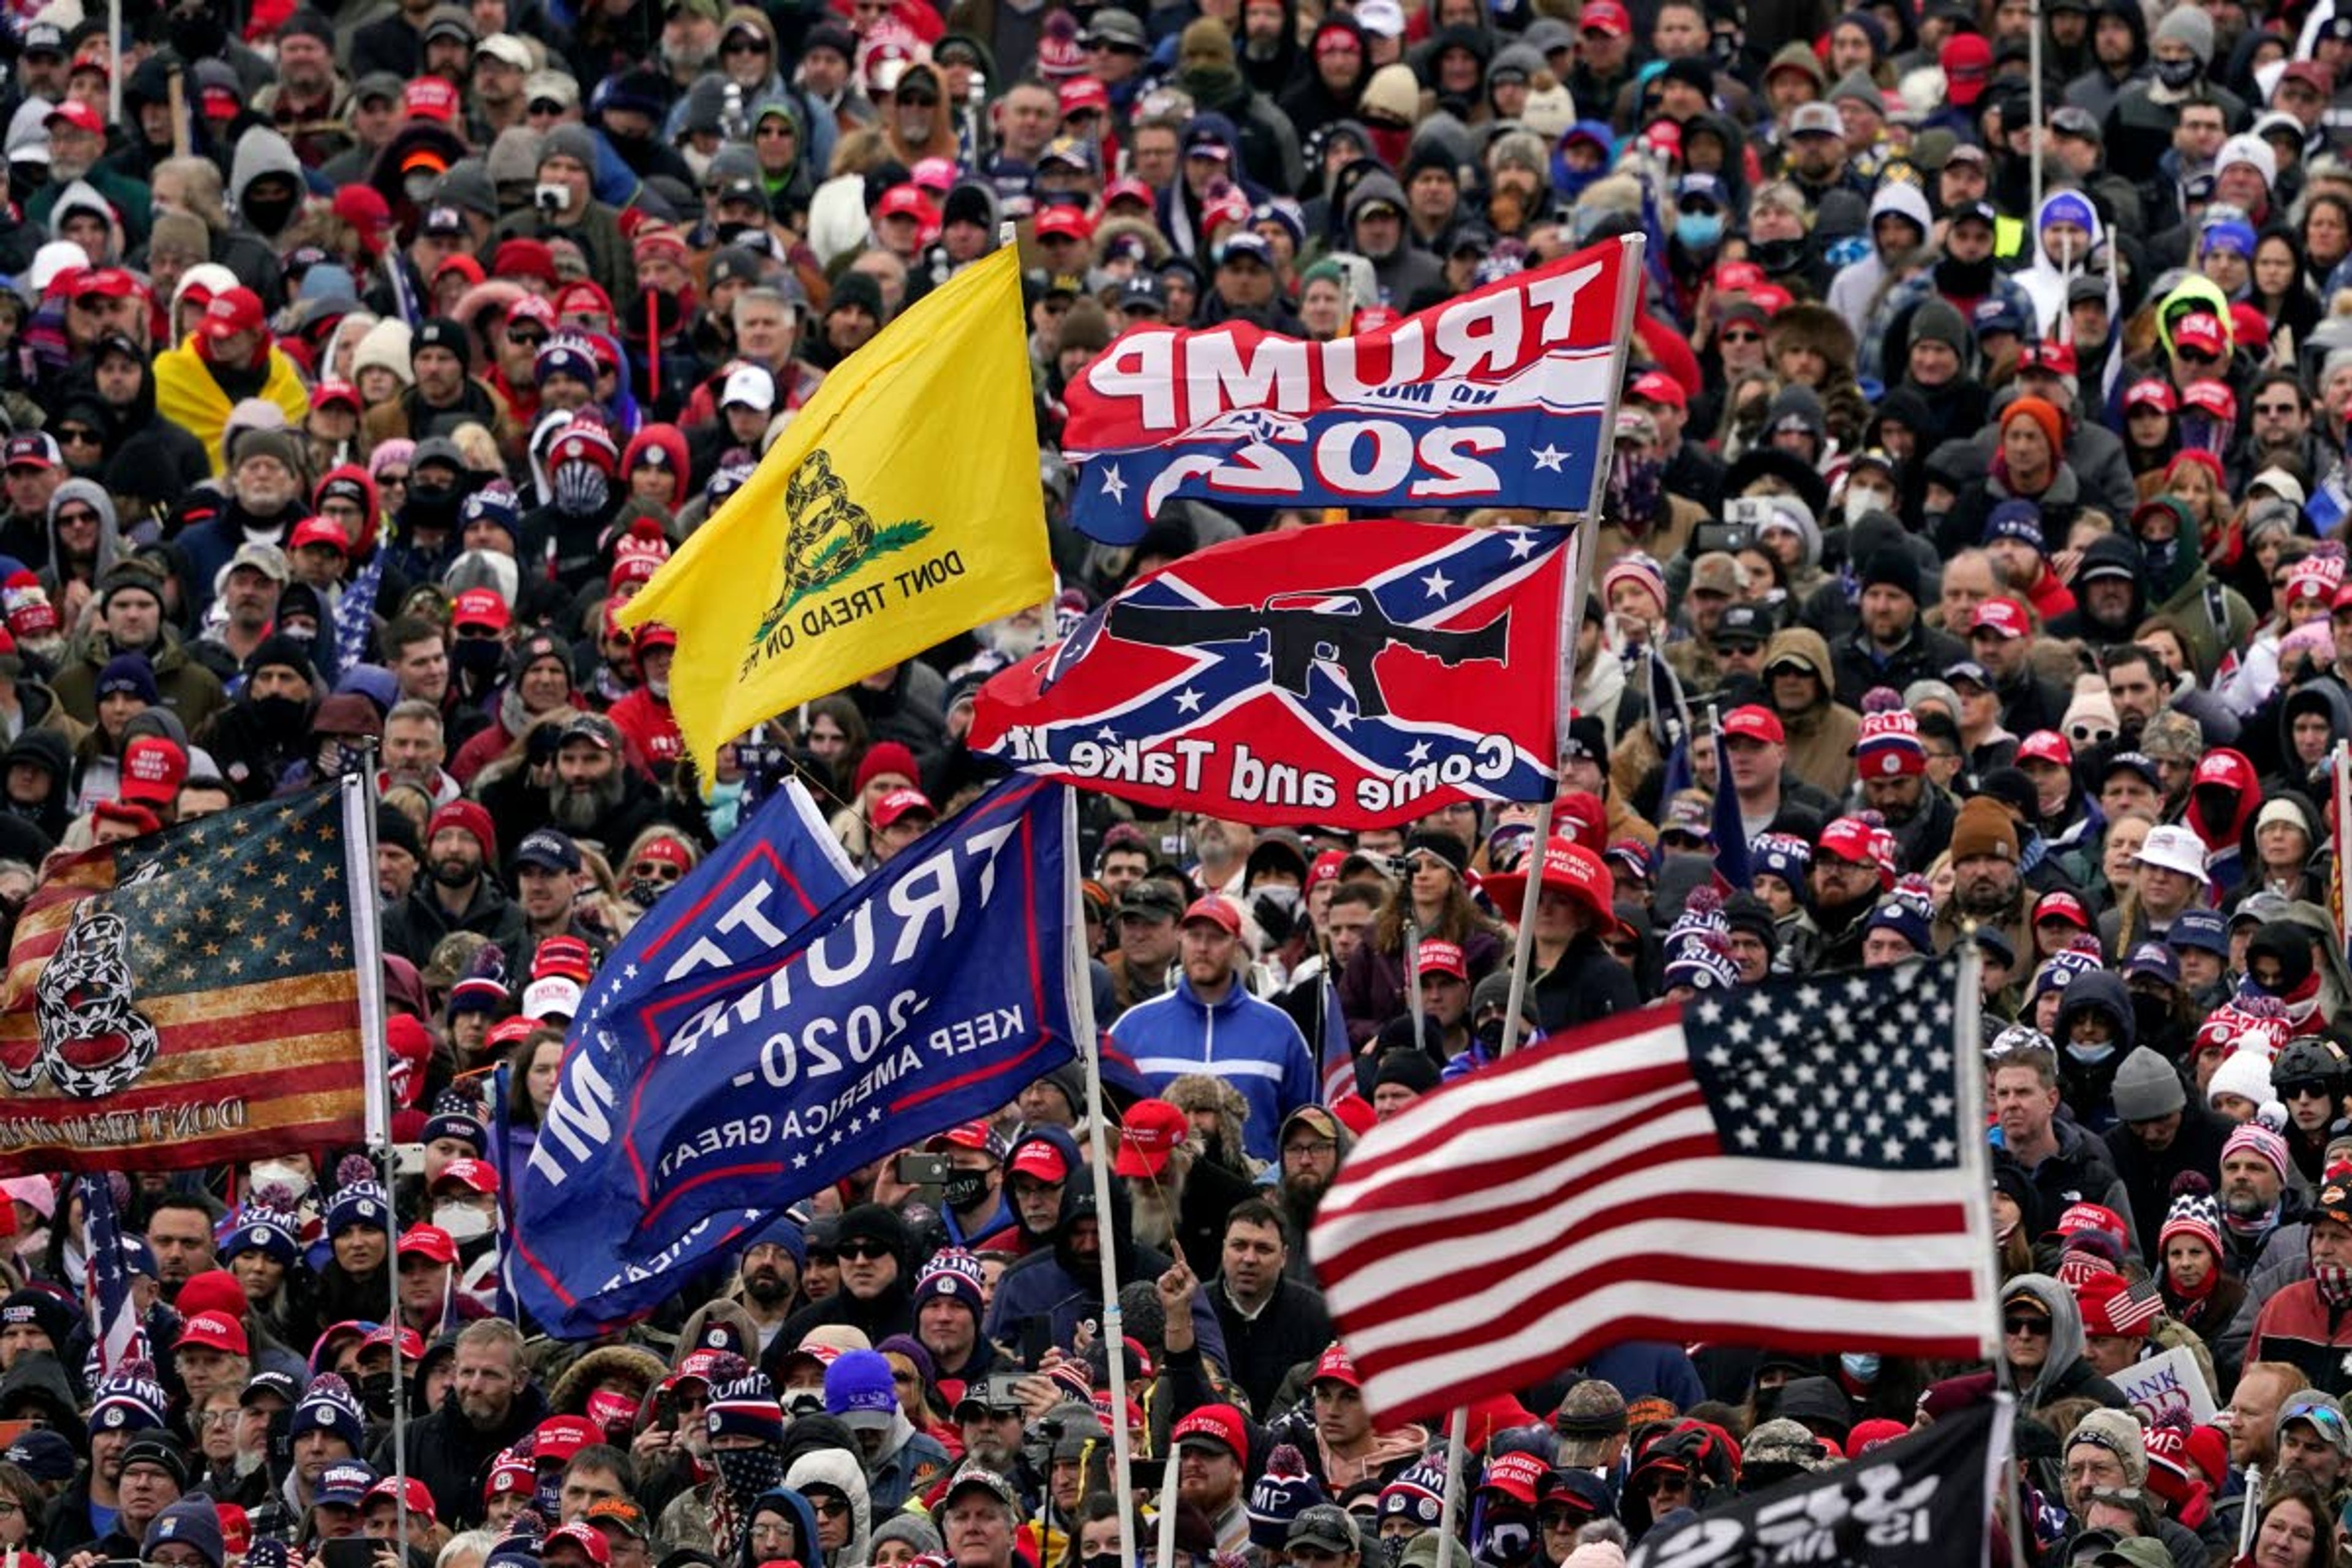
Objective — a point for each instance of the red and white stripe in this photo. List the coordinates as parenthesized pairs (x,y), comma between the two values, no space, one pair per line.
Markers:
(1511,1223)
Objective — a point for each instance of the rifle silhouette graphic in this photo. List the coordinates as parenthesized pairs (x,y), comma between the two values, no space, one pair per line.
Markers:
(1302,630)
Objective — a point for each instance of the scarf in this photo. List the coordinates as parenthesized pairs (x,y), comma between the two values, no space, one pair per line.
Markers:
(2188,1303)
(2253,1230)
(2334,1282)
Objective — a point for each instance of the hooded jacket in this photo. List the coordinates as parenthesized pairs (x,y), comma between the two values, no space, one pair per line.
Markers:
(2089,1086)
(2113,550)
(110,541)
(1405,272)
(786,1501)
(1855,291)
(2064,1373)
(1820,736)
(839,1469)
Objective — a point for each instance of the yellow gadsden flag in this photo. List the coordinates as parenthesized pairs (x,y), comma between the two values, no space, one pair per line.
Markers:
(899,508)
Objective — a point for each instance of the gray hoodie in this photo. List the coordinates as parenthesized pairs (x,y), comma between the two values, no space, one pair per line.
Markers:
(839,1469)
(2065,1336)
(93,495)
(260,151)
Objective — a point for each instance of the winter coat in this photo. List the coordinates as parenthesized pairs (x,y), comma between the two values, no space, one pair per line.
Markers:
(1241,1038)
(1821,737)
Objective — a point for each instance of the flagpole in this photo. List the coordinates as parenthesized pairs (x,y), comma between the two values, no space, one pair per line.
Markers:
(1976,1158)
(361,800)
(1571,623)
(1457,1456)
(1412,968)
(1080,981)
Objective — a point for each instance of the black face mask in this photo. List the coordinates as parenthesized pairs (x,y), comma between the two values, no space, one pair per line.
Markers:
(643,891)
(1968,278)
(1776,255)
(964,1188)
(430,506)
(477,655)
(267,213)
(280,716)
(2151,1015)
(376,1394)
(729,232)
(2177,74)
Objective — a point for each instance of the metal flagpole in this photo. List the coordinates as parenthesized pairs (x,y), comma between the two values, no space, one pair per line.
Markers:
(1080,980)
(1412,966)
(2033,89)
(1969,1079)
(1571,614)
(1165,1555)
(1458,1457)
(366,929)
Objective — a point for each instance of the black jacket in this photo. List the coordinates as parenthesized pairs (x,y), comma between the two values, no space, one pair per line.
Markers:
(450,1455)
(1294,1326)
(1585,985)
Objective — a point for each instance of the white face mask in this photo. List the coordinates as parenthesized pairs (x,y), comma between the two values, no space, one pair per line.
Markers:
(1861,500)
(463,1221)
(273,1173)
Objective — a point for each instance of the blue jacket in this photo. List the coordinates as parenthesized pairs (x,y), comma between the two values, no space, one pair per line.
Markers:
(1045,1296)
(1250,1043)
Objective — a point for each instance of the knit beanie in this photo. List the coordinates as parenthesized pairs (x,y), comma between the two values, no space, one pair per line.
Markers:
(131,674)
(328,1406)
(2052,423)
(1281,1494)
(2191,25)
(43,1309)
(1983,828)
(571,142)
(858,1388)
(2193,1214)
(745,1406)
(2118,1432)
(1889,745)
(358,1203)
(2146,1087)
(190,1521)
(1893,567)
(914,1529)
(1905,919)
(2253,1138)
(2246,1074)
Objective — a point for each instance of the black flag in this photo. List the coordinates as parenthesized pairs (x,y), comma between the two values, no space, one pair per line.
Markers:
(1921,1500)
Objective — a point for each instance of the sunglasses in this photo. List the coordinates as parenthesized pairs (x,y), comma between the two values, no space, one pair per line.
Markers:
(75,435)
(774,133)
(864,1251)
(544,106)
(830,1508)
(526,339)
(2090,734)
(2283,410)
(2303,1089)
(918,99)
(655,871)
(1741,337)
(744,46)
(2019,1324)
(77,514)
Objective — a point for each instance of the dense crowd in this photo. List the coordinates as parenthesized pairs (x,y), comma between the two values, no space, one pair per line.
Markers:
(1976,493)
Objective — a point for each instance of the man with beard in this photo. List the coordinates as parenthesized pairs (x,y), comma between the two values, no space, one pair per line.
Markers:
(491,1403)
(2282,436)
(643,716)
(2257,1203)
(414,746)
(153,462)
(595,793)
(1892,645)
(266,497)
(1043,1158)
(2001,637)
(1847,881)
(1986,886)
(460,843)
(545,870)
(1312,1145)
(1181,1200)
(1223,848)
(1042,1300)
(302,103)
(257,575)
(1892,762)
(1271,1320)
(769,1276)
(257,739)
(2110,598)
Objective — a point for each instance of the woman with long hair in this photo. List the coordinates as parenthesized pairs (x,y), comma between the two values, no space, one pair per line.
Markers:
(1434,900)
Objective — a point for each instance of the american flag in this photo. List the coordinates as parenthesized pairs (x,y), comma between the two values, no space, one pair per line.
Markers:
(1784,1165)
(356,615)
(117,1333)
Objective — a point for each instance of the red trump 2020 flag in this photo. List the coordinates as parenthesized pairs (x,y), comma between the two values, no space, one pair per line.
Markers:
(1361,674)
(1781,1165)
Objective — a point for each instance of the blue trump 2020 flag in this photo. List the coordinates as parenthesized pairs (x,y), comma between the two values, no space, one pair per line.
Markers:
(687,1115)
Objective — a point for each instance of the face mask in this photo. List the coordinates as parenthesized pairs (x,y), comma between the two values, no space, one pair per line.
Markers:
(430,506)
(1861,1368)
(273,1175)
(729,232)
(462,1221)
(804,1401)
(1776,255)
(1699,231)
(267,213)
(643,891)
(2177,74)
(2150,1015)
(301,637)
(418,187)
(964,1188)
(1861,504)
(477,655)
(1968,278)
(2089,1056)
(1102,1559)
(375,1393)
(280,715)
(581,488)
(748,1472)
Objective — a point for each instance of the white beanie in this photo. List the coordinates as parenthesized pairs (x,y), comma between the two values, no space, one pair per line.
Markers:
(2248,148)
(1596,1554)
(2241,1072)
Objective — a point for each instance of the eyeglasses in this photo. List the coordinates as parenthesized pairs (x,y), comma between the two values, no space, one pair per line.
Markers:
(72,515)
(2283,410)
(1563,1519)
(1740,337)
(390,476)
(2326,1418)
(2305,1088)
(2090,734)
(744,46)
(74,435)
(2197,356)
(1308,1150)
(2019,1324)
(830,1508)
(865,1251)
(774,133)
